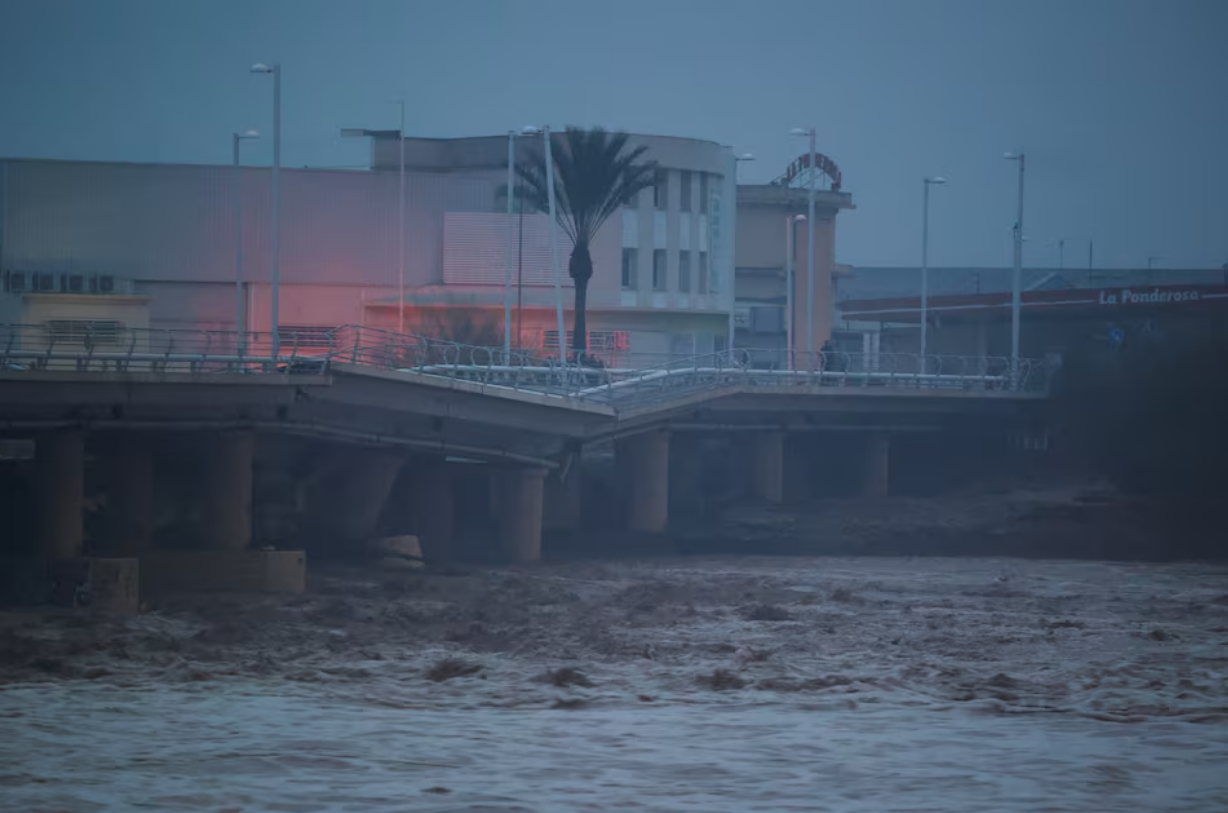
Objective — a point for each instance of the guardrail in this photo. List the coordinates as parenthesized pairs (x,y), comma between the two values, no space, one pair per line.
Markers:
(43,347)
(106,347)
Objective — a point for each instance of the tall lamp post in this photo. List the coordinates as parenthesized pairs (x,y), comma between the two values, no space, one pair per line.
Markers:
(275,70)
(240,320)
(400,134)
(790,236)
(937,180)
(511,233)
(809,241)
(511,238)
(733,283)
(401,227)
(1017,273)
(554,247)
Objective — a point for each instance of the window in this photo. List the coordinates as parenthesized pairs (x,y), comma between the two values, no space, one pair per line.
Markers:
(703,193)
(707,281)
(658,269)
(660,190)
(84,331)
(684,271)
(633,202)
(630,256)
(305,336)
(684,203)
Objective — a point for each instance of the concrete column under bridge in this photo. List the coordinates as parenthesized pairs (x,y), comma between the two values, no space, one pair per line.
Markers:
(767,469)
(226,490)
(876,467)
(428,488)
(563,499)
(349,498)
(60,493)
(521,493)
(224,560)
(130,460)
(644,463)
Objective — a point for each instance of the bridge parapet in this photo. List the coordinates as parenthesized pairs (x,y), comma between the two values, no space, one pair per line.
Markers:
(107,348)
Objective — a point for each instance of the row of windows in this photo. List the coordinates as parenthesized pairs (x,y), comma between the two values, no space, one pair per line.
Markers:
(704,282)
(660,192)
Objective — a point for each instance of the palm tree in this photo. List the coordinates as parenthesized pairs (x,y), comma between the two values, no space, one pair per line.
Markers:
(594,174)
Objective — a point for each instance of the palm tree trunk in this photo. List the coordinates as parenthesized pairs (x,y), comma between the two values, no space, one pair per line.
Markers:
(580,331)
(580,269)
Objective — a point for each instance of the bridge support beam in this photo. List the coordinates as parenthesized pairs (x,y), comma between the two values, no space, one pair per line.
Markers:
(521,497)
(876,465)
(130,459)
(432,508)
(60,493)
(350,498)
(226,491)
(644,460)
(767,470)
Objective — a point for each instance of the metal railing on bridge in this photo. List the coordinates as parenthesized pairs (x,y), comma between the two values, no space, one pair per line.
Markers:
(107,347)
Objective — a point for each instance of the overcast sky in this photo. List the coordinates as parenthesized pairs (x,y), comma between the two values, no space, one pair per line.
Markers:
(1121,106)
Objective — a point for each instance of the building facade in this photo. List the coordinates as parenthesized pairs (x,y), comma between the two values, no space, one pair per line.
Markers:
(160,246)
(772,237)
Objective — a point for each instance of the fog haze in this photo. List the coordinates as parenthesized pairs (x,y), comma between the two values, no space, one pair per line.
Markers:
(1119,105)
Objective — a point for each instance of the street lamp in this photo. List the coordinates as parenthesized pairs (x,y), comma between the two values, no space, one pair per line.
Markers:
(790,228)
(357,131)
(937,180)
(738,158)
(511,231)
(544,130)
(809,242)
(275,70)
(240,321)
(1017,273)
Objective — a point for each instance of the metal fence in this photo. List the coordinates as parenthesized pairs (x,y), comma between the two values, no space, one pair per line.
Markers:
(41,347)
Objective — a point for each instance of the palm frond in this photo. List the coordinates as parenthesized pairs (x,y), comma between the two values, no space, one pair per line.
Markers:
(594,175)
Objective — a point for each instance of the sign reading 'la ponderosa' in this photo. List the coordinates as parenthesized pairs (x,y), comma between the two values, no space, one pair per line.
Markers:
(1153,297)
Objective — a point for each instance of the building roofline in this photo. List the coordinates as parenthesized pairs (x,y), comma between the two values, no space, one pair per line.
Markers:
(172,165)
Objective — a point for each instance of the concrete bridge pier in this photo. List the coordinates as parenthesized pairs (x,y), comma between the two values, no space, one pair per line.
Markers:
(563,501)
(350,497)
(226,491)
(521,499)
(129,456)
(225,561)
(429,490)
(876,467)
(60,493)
(767,466)
(686,467)
(644,461)
(107,584)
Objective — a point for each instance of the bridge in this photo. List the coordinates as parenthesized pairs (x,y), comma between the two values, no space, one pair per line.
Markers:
(393,420)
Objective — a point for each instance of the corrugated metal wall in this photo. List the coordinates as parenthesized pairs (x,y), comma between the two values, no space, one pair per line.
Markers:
(175,222)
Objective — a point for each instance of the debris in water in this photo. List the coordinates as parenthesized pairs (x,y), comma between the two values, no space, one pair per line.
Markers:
(570,703)
(568,676)
(449,668)
(721,680)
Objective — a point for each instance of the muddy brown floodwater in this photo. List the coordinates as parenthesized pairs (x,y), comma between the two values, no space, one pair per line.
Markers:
(719,684)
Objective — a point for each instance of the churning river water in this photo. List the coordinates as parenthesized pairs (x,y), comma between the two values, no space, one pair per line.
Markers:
(747,685)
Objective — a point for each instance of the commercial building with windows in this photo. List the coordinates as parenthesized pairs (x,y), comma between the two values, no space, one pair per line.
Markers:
(103,247)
